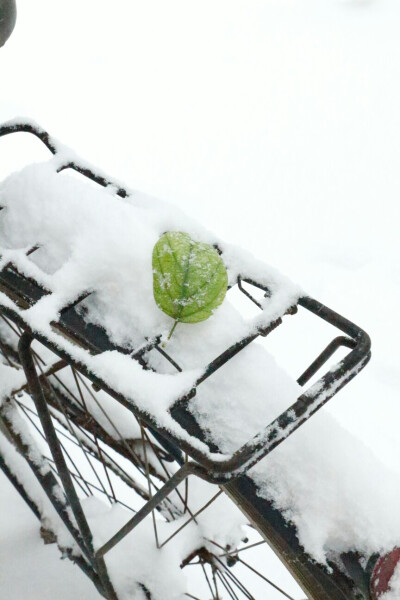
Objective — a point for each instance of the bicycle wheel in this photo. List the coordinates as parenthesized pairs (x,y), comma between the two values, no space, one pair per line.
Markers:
(196,536)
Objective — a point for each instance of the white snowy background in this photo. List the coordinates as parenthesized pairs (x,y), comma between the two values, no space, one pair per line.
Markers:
(275,123)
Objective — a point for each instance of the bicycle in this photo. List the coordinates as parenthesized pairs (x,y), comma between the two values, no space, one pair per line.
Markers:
(79,447)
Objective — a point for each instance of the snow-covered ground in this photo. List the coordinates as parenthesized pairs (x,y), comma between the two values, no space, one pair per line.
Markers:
(275,123)
(29,569)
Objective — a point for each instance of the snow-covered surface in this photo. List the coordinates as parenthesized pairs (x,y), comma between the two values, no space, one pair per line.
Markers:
(136,558)
(26,478)
(90,241)
(28,568)
(323,479)
(280,130)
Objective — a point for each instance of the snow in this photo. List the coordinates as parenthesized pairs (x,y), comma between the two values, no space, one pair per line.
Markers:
(242,397)
(25,477)
(323,479)
(88,240)
(92,242)
(10,379)
(274,124)
(136,558)
(28,568)
(333,488)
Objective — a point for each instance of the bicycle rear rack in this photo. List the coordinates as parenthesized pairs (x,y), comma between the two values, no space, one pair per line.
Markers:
(230,472)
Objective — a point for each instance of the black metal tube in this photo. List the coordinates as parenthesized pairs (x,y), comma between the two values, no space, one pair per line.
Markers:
(324,356)
(40,133)
(51,436)
(162,493)
(51,144)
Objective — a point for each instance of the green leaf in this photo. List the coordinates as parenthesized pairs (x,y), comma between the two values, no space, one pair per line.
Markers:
(189,278)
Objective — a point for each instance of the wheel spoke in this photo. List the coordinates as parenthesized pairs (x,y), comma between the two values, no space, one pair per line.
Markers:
(191,519)
(100,457)
(208,581)
(234,552)
(228,574)
(149,482)
(271,583)
(86,455)
(227,586)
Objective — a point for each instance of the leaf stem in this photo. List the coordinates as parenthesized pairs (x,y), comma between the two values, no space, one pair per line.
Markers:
(172,330)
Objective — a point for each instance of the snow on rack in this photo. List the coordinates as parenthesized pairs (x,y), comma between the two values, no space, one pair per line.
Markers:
(92,242)
(323,479)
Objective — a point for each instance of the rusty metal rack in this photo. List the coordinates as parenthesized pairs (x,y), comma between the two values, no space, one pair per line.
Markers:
(340,582)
